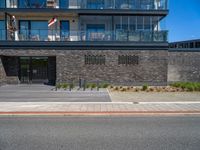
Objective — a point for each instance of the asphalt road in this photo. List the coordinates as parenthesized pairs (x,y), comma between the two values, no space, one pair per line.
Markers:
(43,93)
(99,133)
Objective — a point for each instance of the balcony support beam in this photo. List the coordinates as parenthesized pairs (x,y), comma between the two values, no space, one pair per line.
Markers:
(6,26)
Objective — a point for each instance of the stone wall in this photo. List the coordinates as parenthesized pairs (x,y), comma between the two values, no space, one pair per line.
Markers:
(184,66)
(2,73)
(70,65)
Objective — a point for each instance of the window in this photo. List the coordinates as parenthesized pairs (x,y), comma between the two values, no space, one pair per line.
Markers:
(32,3)
(64,30)
(95,4)
(64,4)
(128,60)
(34,30)
(197,45)
(95,59)
(2,3)
(2,30)
(95,32)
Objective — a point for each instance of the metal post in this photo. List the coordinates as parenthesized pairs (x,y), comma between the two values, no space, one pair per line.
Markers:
(80,83)
(84,85)
(6,27)
(97,85)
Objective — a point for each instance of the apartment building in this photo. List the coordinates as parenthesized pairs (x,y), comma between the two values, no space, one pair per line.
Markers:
(53,41)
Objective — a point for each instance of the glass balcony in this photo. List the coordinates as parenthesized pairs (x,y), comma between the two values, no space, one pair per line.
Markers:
(57,35)
(88,4)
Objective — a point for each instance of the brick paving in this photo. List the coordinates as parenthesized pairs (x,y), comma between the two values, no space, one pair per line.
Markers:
(91,107)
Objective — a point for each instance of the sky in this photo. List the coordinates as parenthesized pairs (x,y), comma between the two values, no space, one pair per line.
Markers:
(183,21)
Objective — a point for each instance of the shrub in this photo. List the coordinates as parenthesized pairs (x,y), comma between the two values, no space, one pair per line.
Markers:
(145,87)
(93,85)
(105,85)
(116,88)
(65,86)
(88,85)
(71,85)
(59,86)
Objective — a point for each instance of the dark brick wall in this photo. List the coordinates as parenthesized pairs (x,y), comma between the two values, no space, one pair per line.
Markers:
(152,67)
(184,66)
(2,73)
(11,67)
(70,65)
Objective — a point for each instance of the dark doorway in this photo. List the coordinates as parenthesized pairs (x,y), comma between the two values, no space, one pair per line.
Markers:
(35,70)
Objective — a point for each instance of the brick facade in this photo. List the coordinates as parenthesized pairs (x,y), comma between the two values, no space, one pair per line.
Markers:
(154,67)
(184,66)
(70,65)
(2,73)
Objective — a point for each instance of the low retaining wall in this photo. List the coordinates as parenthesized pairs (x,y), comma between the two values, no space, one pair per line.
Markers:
(184,66)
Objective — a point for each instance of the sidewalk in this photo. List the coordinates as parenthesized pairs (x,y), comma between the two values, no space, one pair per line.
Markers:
(94,108)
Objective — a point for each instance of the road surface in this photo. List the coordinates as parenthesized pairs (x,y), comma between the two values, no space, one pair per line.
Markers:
(99,133)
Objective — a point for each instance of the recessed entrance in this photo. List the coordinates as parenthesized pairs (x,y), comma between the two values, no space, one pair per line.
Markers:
(35,69)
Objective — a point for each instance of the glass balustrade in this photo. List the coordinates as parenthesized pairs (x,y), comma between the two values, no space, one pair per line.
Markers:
(87,4)
(57,35)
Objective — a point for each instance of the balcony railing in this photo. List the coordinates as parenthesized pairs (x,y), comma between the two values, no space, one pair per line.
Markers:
(89,4)
(56,35)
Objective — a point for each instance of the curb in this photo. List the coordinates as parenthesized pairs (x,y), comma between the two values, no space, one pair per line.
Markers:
(111,113)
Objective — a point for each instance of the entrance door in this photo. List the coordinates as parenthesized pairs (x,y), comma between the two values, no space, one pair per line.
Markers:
(24,69)
(34,69)
(39,69)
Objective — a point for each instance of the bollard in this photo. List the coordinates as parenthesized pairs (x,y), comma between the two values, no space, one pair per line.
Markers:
(80,83)
(97,85)
(84,84)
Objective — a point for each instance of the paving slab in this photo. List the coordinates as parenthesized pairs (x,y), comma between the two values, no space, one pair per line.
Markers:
(96,107)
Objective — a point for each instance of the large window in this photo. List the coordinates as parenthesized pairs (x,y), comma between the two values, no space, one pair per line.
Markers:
(32,3)
(2,30)
(34,30)
(64,4)
(95,32)
(95,4)
(2,3)
(64,30)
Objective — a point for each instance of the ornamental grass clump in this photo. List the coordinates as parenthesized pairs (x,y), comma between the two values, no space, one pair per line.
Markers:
(71,86)
(105,85)
(65,86)
(144,87)
(93,85)
(187,86)
(59,86)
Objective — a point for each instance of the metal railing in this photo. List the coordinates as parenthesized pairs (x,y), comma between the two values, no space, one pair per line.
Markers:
(57,35)
(91,4)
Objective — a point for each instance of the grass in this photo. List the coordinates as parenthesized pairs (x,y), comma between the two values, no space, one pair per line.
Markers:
(188,86)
